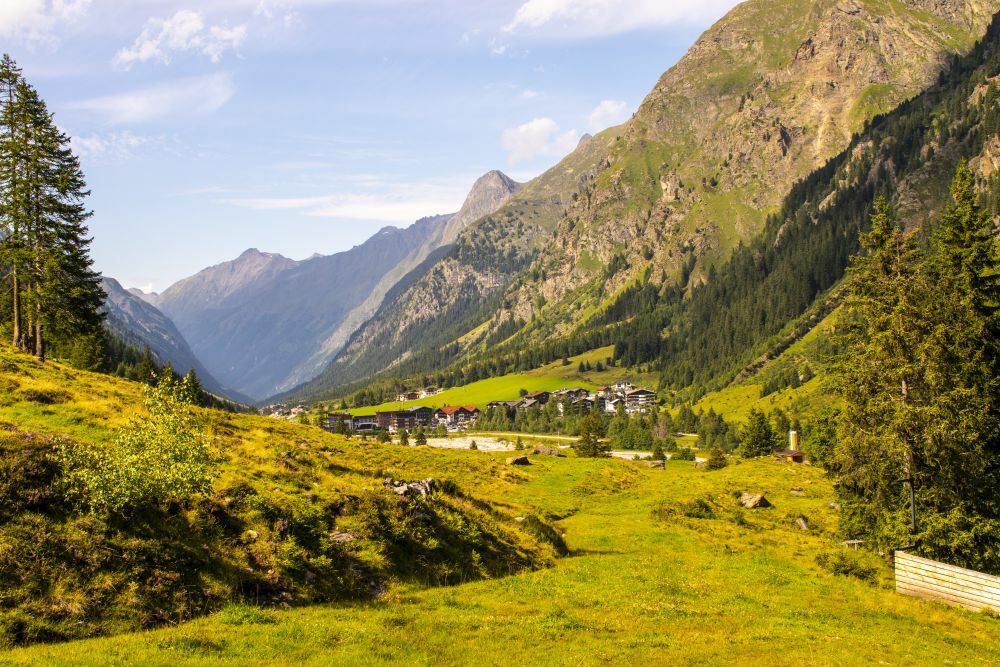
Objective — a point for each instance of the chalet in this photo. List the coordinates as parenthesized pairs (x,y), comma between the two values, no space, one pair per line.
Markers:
(622,388)
(540,397)
(603,392)
(612,405)
(408,396)
(639,399)
(790,455)
(571,394)
(456,415)
(528,403)
(505,405)
(408,419)
(429,391)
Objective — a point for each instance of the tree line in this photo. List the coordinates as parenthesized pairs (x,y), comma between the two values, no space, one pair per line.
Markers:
(52,296)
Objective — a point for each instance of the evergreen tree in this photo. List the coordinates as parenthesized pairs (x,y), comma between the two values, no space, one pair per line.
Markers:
(921,389)
(404,437)
(420,438)
(194,394)
(56,295)
(757,437)
(716,459)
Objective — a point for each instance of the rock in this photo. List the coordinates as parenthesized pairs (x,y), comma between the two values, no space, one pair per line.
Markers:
(834,506)
(802,523)
(422,487)
(518,461)
(796,491)
(547,451)
(250,536)
(519,519)
(655,465)
(754,501)
(338,537)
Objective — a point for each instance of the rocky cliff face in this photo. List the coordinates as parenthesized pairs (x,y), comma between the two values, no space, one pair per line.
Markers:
(488,194)
(765,96)
(141,324)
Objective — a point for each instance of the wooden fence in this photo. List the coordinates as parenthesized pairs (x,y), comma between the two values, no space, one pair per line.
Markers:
(931,580)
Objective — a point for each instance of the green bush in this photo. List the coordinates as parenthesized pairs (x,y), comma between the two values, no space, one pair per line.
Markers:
(849,564)
(683,454)
(154,460)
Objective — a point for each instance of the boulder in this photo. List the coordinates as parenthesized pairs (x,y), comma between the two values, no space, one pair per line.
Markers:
(422,487)
(802,523)
(338,537)
(799,493)
(655,465)
(518,461)
(547,451)
(753,501)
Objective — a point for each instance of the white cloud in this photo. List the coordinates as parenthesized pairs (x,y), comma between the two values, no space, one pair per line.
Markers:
(590,18)
(180,98)
(606,114)
(114,146)
(185,31)
(35,20)
(386,201)
(540,137)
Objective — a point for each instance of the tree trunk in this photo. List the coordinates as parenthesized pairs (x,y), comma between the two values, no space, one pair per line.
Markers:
(18,334)
(39,344)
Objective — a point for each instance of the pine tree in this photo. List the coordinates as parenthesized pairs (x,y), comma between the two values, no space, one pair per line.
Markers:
(921,389)
(757,437)
(56,295)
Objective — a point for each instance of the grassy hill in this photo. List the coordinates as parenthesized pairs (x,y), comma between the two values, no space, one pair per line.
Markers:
(295,516)
(665,568)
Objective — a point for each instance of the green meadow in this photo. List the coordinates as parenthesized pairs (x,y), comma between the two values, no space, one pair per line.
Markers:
(664,568)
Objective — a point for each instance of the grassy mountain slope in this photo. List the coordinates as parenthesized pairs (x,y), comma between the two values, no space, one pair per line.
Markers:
(295,516)
(665,569)
(765,97)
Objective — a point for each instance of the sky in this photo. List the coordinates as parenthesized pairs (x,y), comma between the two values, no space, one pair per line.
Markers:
(206,127)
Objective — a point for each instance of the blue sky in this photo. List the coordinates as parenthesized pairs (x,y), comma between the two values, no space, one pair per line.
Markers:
(301,126)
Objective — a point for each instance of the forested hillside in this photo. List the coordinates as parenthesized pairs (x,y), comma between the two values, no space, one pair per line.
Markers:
(703,174)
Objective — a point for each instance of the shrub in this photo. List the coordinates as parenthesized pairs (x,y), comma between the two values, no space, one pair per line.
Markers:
(155,459)
(716,460)
(849,564)
(683,454)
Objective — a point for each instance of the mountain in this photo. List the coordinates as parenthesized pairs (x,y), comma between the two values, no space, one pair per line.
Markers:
(763,98)
(141,324)
(488,194)
(447,295)
(264,323)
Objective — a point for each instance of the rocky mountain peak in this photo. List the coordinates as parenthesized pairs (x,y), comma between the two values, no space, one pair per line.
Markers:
(488,194)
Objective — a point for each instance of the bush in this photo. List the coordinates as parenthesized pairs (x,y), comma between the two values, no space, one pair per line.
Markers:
(683,454)
(716,460)
(849,564)
(154,460)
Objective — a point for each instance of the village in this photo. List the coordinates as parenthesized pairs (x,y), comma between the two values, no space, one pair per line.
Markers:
(622,397)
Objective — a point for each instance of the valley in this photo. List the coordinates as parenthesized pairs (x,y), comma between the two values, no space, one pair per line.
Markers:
(684,397)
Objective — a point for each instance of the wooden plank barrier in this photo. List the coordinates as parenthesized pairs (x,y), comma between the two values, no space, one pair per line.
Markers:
(931,580)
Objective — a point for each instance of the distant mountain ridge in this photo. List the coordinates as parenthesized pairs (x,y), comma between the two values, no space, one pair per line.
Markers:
(265,323)
(141,324)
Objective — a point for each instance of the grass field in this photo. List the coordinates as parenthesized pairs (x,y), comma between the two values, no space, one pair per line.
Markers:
(645,584)
(664,566)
